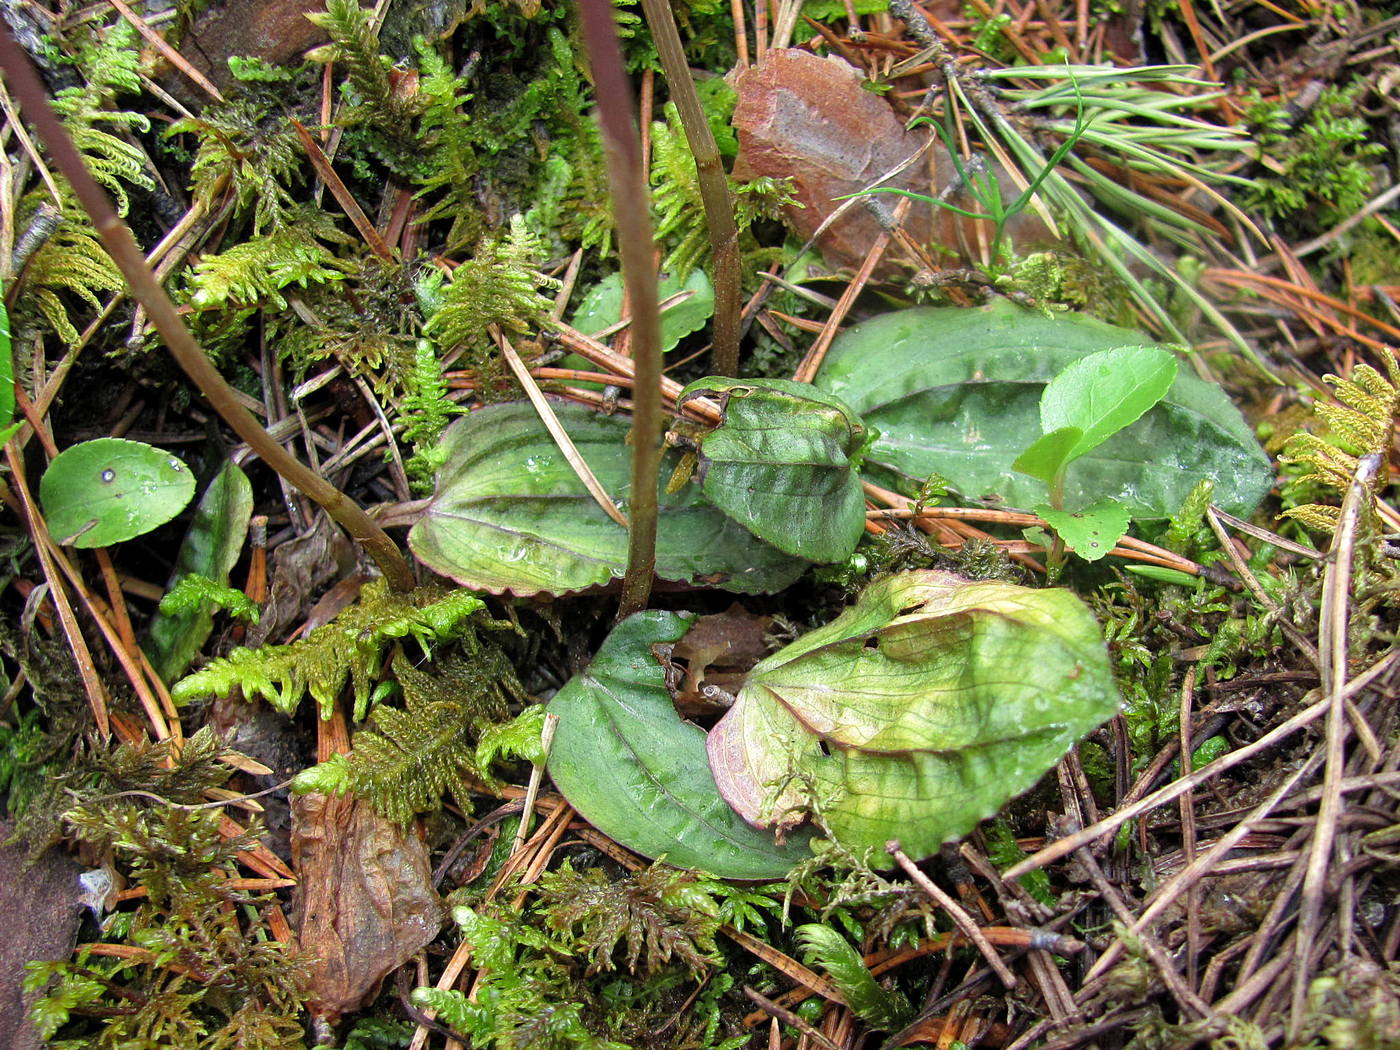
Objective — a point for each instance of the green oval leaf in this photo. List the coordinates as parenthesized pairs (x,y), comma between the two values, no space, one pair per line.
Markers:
(626,761)
(602,306)
(915,713)
(957,392)
(782,463)
(1092,532)
(210,549)
(102,492)
(1105,392)
(509,514)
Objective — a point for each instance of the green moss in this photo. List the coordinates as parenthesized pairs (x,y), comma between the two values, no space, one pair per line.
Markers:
(1317,172)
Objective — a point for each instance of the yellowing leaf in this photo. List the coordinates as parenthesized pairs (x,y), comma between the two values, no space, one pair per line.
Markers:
(916,713)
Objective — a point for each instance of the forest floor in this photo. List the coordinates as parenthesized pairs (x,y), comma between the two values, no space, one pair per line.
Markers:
(386,227)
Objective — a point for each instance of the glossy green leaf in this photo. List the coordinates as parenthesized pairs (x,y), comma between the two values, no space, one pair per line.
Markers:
(210,549)
(102,492)
(782,463)
(957,392)
(1105,392)
(1048,453)
(915,713)
(510,515)
(602,306)
(1092,532)
(633,769)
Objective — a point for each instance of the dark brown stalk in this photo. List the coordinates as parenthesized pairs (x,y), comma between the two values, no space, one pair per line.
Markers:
(714,186)
(631,214)
(147,291)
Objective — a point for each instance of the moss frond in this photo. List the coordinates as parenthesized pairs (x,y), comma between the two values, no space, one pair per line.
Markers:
(680,212)
(425,411)
(658,914)
(210,975)
(368,322)
(878,1007)
(349,648)
(377,102)
(72,262)
(108,61)
(256,270)
(416,753)
(449,145)
(113,161)
(244,151)
(1358,424)
(500,285)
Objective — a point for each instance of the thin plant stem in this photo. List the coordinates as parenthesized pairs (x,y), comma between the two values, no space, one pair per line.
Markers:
(714,186)
(631,214)
(147,291)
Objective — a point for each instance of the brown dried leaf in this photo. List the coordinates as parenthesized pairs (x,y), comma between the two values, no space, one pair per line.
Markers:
(301,567)
(277,31)
(719,650)
(365,904)
(809,119)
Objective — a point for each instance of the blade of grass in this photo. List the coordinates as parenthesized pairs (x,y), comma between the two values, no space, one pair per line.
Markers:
(556,429)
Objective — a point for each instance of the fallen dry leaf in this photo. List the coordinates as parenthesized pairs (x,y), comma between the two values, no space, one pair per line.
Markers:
(809,119)
(719,650)
(276,31)
(365,899)
(301,568)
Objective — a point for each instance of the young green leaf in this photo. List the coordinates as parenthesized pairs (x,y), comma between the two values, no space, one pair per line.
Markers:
(782,463)
(1092,532)
(7,375)
(102,492)
(1105,392)
(915,713)
(633,769)
(1049,454)
(1162,574)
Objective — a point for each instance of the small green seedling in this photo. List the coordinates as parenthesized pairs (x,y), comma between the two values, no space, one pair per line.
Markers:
(1081,408)
(102,492)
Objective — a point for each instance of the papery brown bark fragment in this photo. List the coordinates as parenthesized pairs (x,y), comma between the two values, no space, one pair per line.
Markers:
(808,118)
(365,903)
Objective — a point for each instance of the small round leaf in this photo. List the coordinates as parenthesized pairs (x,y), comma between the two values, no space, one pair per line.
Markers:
(102,492)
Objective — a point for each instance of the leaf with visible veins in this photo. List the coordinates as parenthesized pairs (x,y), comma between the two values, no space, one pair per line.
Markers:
(915,713)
